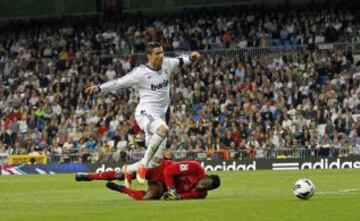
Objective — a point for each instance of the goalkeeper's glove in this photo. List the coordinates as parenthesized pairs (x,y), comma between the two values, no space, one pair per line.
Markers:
(171,195)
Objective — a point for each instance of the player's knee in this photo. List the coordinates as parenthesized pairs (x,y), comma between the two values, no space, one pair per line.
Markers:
(163,130)
(156,161)
(159,126)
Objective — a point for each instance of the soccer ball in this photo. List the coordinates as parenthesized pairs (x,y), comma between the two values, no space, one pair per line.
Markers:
(304,189)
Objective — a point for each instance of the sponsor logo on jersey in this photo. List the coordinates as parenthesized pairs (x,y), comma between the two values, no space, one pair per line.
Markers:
(159,86)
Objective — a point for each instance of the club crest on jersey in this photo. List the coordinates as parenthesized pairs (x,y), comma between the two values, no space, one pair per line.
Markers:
(163,84)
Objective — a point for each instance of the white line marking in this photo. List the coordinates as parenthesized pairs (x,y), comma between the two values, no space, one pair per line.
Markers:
(340,192)
(286,168)
(284,164)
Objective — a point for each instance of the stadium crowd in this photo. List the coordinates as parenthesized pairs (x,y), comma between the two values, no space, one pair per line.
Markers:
(237,27)
(303,103)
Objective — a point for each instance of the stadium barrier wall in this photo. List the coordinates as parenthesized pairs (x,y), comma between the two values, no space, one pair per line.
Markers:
(211,165)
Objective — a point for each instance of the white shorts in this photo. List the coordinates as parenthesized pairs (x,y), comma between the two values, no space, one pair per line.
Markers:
(149,123)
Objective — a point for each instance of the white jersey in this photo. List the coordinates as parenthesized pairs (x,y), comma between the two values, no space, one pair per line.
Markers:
(153,86)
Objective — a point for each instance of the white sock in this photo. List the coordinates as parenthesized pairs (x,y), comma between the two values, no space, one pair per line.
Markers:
(153,146)
(158,154)
(152,164)
(148,155)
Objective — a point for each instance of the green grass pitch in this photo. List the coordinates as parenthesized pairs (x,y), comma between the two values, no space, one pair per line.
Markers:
(254,195)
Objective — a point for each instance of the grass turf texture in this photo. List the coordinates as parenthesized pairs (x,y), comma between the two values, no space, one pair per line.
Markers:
(255,195)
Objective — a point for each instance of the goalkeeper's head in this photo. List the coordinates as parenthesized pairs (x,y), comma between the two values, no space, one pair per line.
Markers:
(208,182)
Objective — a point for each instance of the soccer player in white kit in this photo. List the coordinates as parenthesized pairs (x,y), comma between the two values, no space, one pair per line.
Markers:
(152,83)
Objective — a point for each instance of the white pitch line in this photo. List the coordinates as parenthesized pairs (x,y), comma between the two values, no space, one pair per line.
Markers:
(286,168)
(340,192)
(349,190)
(284,164)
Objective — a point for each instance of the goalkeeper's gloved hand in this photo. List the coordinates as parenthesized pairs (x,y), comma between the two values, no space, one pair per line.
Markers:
(171,194)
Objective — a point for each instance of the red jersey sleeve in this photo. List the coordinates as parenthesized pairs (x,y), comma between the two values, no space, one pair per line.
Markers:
(182,168)
(193,194)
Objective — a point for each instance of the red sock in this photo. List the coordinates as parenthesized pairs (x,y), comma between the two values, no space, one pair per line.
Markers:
(135,194)
(107,175)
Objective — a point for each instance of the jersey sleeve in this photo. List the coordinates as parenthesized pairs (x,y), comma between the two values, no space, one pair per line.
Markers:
(182,168)
(129,80)
(174,63)
(193,194)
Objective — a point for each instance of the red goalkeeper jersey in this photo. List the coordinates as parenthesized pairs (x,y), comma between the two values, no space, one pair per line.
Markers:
(182,175)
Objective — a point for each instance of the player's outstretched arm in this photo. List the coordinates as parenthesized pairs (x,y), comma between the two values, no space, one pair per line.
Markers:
(129,80)
(184,60)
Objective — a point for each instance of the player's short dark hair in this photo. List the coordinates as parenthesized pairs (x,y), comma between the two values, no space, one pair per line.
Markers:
(215,181)
(151,45)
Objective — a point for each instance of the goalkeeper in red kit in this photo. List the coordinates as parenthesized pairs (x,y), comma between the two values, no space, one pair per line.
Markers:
(171,180)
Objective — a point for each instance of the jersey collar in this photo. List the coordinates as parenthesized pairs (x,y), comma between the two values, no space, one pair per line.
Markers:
(152,68)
